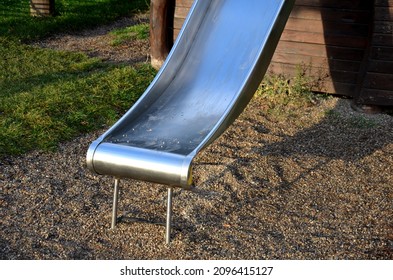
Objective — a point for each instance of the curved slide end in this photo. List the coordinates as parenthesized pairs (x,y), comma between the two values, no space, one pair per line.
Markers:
(142,164)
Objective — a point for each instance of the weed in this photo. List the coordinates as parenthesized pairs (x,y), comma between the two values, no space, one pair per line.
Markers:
(361,122)
(284,94)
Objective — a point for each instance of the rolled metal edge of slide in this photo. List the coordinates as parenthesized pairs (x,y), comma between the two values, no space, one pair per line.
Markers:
(141,164)
(90,155)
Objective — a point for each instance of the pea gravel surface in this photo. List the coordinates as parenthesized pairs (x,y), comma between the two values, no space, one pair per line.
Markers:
(317,184)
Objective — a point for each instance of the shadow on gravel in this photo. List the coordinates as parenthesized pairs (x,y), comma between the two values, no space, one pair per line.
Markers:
(329,183)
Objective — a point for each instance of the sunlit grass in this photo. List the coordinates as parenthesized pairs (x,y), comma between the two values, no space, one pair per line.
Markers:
(16,22)
(48,96)
(123,35)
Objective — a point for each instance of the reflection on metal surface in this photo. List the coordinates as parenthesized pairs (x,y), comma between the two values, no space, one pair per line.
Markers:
(212,72)
(210,75)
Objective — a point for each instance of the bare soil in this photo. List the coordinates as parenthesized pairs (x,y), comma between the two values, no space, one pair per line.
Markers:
(315,185)
(97,42)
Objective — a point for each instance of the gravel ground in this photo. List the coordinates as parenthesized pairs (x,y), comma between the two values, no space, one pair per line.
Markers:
(316,185)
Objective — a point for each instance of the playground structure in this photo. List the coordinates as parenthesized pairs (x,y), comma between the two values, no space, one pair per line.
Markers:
(208,78)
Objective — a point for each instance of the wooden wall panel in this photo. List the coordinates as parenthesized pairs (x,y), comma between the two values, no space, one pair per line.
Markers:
(343,43)
(376,86)
(330,37)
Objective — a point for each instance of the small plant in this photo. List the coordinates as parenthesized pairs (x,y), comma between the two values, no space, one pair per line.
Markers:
(121,36)
(282,96)
(332,114)
(361,122)
(298,90)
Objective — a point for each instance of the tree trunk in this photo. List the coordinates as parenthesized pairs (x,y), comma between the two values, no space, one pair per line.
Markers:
(42,8)
(160,37)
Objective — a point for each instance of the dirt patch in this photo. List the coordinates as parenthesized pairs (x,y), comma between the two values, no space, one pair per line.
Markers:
(315,186)
(97,42)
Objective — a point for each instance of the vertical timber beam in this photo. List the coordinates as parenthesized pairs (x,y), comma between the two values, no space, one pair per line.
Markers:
(160,40)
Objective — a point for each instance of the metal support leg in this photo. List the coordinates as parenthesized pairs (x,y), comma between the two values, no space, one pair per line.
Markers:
(169,216)
(115,201)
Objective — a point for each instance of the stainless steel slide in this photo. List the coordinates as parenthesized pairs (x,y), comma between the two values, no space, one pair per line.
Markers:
(212,72)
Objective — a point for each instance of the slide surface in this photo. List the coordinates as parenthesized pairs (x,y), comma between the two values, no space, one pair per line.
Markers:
(212,72)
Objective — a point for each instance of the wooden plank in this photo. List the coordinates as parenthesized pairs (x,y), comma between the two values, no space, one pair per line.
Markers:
(285,58)
(382,53)
(313,61)
(378,81)
(44,7)
(328,39)
(380,66)
(181,12)
(292,70)
(42,2)
(178,23)
(376,97)
(383,3)
(332,52)
(383,13)
(383,27)
(184,3)
(319,26)
(338,4)
(331,14)
(382,40)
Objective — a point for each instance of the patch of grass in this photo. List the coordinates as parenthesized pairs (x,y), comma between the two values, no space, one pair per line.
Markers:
(362,122)
(351,121)
(123,35)
(48,96)
(333,114)
(16,22)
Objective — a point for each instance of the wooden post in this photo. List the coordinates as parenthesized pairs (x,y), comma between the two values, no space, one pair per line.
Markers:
(40,8)
(160,39)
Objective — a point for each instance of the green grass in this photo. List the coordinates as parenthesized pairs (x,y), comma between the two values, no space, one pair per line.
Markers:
(71,15)
(356,121)
(123,35)
(48,96)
